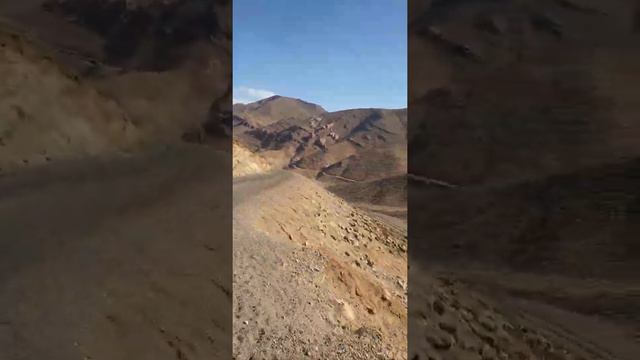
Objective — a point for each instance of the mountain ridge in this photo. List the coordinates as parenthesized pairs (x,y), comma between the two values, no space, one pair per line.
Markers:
(320,134)
(348,147)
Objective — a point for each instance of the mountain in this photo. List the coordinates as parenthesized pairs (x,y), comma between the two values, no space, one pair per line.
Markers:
(346,148)
(327,143)
(270,110)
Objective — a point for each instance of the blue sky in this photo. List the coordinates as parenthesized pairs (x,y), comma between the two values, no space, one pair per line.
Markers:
(340,54)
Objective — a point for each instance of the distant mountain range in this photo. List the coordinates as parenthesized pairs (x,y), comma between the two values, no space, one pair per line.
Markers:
(344,147)
(358,144)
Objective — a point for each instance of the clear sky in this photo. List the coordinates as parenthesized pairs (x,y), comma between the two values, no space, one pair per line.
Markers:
(340,54)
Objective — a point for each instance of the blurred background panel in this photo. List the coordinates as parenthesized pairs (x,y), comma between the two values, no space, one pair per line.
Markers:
(115,179)
(523,161)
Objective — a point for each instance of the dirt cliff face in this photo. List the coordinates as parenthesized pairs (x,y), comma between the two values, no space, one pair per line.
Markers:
(146,35)
(47,115)
(314,275)
(123,74)
(246,162)
(147,45)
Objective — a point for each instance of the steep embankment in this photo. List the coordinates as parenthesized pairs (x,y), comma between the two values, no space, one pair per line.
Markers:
(166,62)
(92,77)
(48,115)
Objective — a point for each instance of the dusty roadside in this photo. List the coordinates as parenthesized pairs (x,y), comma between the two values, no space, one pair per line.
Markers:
(314,277)
(117,258)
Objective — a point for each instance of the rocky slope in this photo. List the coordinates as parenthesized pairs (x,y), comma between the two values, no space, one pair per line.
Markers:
(246,162)
(313,276)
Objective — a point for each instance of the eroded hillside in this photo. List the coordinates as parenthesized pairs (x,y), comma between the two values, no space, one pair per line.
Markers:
(89,77)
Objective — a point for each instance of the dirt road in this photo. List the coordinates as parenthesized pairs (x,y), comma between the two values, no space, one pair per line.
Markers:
(124,258)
